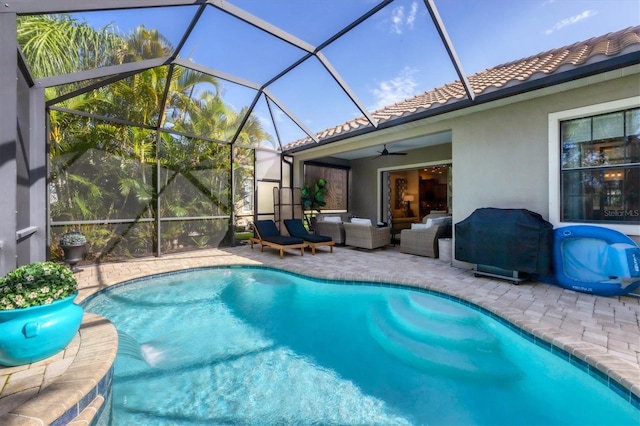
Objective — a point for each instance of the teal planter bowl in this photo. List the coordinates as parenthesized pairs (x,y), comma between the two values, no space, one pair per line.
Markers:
(33,334)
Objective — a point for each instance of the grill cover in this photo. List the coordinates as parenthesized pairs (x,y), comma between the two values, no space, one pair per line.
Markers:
(511,239)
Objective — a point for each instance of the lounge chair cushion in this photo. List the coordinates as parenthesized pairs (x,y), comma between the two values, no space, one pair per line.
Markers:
(297,229)
(317,238)
(283,240)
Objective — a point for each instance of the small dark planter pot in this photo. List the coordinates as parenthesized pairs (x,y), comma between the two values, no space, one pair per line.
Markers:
(73,255)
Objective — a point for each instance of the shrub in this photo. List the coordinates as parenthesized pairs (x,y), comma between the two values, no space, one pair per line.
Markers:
(73,238)
(38,283)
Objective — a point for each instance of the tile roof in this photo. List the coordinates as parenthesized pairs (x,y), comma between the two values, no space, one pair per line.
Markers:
(543,64)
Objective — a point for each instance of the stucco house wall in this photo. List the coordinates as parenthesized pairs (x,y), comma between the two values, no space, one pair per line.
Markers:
(501,156)
(500,160)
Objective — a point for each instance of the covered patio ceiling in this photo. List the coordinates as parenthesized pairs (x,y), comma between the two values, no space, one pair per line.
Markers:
(300,68)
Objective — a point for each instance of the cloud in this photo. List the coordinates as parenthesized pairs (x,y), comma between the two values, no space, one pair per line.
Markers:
(400,20)
(397,89)
(570,21)
(278,115)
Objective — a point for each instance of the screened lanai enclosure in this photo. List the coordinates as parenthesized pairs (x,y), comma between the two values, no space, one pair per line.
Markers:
(164,125)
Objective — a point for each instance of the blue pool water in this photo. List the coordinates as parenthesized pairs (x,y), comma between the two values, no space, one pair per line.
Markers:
(251,346)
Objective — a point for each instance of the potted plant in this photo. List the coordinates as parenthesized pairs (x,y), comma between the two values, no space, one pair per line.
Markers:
(312,197)
(74,246)
(37,315)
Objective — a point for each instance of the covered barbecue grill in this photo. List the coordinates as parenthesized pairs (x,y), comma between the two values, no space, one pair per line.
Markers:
(505,242)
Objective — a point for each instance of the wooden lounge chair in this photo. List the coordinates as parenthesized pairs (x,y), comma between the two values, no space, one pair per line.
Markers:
(267,234)
(296,229)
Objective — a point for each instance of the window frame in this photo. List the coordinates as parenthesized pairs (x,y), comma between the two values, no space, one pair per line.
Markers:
(555,167)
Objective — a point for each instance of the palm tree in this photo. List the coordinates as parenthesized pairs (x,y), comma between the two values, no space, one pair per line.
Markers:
(103,170)
(59,44)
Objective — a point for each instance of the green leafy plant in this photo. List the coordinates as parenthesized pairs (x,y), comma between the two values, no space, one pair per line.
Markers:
(312,196)
(35,284)
(73,238)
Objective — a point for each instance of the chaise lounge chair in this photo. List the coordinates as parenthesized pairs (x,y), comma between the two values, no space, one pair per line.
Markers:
(297,229)
(267,234)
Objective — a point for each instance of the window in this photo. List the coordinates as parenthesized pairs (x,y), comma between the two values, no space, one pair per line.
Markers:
(600,168)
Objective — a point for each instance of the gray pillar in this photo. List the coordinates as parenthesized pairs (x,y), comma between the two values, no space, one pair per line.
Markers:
(38,195)
(8,136)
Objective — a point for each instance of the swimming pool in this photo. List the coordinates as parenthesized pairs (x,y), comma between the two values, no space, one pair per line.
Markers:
(258,346)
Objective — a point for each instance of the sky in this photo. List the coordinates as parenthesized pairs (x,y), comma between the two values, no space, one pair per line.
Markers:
(390,57)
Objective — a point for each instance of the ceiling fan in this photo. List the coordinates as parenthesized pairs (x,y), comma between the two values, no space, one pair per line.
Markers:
(385,152)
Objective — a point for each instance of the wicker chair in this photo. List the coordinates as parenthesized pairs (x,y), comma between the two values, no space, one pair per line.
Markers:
(424,242)
(335,230)
(366,236)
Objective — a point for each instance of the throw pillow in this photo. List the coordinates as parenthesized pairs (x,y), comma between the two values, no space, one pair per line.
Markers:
(359,221)
(419,226)
(435,222)
(336,219)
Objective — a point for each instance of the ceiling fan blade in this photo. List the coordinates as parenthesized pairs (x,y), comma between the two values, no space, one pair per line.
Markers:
(386,152)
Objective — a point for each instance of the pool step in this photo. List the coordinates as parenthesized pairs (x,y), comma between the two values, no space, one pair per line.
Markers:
(464,329)
(437,345)
(438,307)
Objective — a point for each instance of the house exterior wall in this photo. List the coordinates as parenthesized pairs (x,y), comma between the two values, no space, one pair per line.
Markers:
(501,156)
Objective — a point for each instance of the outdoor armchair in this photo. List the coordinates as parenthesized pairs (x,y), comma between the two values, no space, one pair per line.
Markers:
(331,226)
(424,242)
(296,228)
(366,236)
(267,234)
